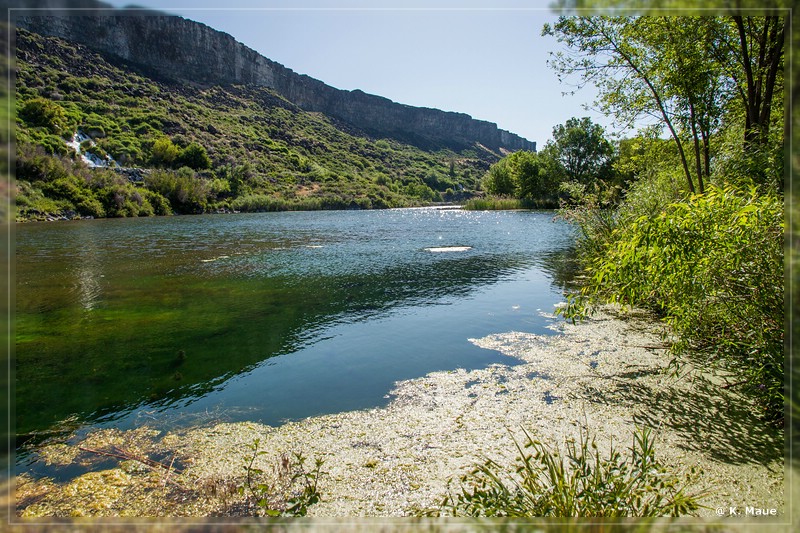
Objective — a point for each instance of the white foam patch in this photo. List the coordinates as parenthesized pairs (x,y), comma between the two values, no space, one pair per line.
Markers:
(443,249)
(214,259)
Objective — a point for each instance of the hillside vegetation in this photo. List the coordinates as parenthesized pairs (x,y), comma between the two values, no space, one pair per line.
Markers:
(200,148)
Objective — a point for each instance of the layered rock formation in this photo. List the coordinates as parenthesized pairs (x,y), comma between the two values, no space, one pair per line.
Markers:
(174,47)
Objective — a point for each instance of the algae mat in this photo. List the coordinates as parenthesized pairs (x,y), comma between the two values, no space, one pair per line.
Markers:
(607,374)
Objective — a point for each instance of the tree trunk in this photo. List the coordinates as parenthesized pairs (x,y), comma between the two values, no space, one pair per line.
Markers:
(761,54)
(697,149)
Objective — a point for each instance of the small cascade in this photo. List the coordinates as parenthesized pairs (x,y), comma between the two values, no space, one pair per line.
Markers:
(91,159)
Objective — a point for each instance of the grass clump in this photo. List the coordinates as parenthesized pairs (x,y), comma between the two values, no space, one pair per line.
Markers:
(504,203)
(578,483)
(288,490)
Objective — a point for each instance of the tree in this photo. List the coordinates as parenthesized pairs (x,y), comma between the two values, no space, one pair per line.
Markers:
(518,175)
(498,179)
(617,55)
(237,176)
(582,150)
(643,155)
(753,57)
(694,84)
(530,185)
(683,71)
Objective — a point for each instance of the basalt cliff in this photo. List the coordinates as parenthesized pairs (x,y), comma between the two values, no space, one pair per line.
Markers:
(173,47)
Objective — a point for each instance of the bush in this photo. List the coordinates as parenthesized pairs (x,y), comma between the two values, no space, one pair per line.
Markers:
(76,191)
(422,192)
(159,204)
(31,202)
(592,214)
(520,175)
(33,164)
(578,483)
(164,152)
(194,156)
(43,113)
(186,193)
(713,267)
(499,180)
(123,201)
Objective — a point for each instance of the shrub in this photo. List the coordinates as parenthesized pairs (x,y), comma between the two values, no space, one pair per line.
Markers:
(520,175)
(97,126)
(194,156)
(578,483)
(164,152)
(123,149)
(44,113)
(186,193)
(31,202)
(219,188)
(77,192)
(162,182)
(159,204)
(33,164)
(421,191)
(592,215)
(713,267)
(120,201)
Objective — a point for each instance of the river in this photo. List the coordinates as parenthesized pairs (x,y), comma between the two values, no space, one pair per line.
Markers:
(173,321)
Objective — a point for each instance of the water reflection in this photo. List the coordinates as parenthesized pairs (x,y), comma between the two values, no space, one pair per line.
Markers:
(116,318)
(158,354)
(562,266)
(87,270)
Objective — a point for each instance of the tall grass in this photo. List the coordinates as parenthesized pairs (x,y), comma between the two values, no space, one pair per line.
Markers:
(504,203)
(259,203)
(577,483)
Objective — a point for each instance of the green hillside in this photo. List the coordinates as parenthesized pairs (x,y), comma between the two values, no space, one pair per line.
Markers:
(199,148)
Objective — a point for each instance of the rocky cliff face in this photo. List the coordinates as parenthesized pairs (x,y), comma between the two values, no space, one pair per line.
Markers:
(177,48)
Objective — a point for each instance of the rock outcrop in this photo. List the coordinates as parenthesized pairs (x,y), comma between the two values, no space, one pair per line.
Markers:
(177,48)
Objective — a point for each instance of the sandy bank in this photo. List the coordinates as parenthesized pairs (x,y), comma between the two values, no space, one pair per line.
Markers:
(608,373)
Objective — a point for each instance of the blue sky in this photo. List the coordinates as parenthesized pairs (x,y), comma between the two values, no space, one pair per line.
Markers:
(476,57)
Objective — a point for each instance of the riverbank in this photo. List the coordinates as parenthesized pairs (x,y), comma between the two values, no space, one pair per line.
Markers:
(607,374)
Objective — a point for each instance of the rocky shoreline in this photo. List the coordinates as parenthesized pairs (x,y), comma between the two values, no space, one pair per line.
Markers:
(608,375)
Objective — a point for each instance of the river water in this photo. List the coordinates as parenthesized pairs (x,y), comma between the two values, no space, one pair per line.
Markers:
(269,317)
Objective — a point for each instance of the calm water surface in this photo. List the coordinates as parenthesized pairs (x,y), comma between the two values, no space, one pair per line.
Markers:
(267,317)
